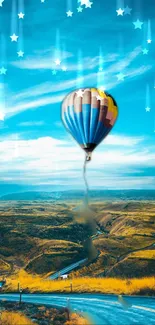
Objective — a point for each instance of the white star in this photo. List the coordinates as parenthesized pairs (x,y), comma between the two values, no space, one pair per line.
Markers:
(2,115)
(42,1)
(98,97)
(20,53)
(1,1)
(147,109)
(14,38)
(120,76)
(3,70)
(64,68)
(57,62)
(21,15)
(84,2)
(89,4)
(149,41)
(100,69)
(80,9)
(69,13)
(120,12)
(79,93)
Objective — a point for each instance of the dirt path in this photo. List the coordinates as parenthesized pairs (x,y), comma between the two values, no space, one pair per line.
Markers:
(122,257)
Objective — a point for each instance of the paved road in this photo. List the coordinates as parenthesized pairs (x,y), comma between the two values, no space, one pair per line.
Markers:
(67,269)
(101,309)
(72,266)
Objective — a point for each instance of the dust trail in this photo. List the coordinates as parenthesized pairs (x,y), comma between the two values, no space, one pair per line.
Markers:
(85,213)
(86,200)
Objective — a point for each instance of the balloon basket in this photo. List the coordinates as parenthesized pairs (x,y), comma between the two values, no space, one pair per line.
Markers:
(88,156)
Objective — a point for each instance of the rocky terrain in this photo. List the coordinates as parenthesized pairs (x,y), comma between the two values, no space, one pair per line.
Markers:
(38,314)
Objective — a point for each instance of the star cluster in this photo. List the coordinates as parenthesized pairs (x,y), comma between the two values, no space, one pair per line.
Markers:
(58,64)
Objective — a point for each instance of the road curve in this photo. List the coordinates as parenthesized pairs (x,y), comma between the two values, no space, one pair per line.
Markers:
(101,309)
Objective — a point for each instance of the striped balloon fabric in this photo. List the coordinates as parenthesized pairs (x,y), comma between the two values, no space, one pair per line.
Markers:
(89,115)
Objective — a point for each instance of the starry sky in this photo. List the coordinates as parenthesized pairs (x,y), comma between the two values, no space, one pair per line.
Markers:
(49,48)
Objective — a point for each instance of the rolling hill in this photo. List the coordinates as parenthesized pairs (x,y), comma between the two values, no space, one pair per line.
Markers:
(42,238)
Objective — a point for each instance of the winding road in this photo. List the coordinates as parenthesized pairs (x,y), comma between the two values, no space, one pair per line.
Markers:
(122,257)
(72,266)
(67,269)
(101,309)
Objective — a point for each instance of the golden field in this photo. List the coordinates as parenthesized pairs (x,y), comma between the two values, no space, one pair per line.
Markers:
(14,318)
(34,284)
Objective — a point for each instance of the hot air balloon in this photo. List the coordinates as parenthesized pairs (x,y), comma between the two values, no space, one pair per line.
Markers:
(89,115)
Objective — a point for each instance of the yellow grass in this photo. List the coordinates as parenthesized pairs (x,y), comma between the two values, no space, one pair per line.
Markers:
(4,266)
(147,254)
(13,318)
(87,284)
(76,319)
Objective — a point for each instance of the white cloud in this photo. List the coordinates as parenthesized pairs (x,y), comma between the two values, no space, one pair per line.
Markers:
(125,182)
(2,115)
(122,140)
(58,124)
(52,161)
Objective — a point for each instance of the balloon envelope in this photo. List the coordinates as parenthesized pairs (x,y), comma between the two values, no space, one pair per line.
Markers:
(89,115)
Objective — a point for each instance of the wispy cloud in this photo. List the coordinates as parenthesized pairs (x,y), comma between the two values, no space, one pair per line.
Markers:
(43,101)
(48,62)
(42,59)
(122,140)
(31,123)
(54,92)
(138,71)
(122,64)
(88,63)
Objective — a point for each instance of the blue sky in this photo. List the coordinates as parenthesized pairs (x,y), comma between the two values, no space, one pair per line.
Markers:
(35,149)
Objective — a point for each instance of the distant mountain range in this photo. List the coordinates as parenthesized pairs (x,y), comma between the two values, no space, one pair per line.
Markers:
(72,195)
